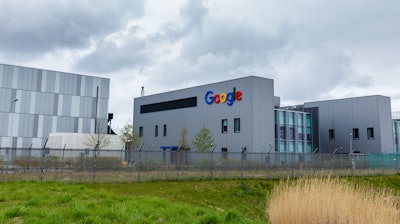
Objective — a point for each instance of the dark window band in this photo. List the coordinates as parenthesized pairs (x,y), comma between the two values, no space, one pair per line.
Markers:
(169,105)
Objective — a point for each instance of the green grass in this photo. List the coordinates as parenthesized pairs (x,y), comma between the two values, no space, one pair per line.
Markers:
(219,201)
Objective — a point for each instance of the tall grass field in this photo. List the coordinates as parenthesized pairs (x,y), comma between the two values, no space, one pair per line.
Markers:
(218,201)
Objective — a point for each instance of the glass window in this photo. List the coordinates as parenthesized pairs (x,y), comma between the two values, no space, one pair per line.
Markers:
(140,132)
(291,147)
(236,125)
(308,120)
(224,126)
(282,132)
(156,131)
(299,119)
(300,147)
(370,133)
(282,146)
(331,134)
(291,118)
(300,133)
(291,133)
(282,118)
(165,130)
(356,133)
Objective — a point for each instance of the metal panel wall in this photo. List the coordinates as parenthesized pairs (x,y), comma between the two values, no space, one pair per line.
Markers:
(42,97)
(360,113)
(255,110)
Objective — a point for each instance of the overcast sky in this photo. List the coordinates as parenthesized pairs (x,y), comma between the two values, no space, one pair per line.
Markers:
(313,49)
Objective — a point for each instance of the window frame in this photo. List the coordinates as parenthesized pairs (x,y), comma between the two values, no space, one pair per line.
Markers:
(224,126)
(236,125)
(370,133)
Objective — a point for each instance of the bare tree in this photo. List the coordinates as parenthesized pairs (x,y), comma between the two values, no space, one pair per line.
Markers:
(183,141)
(99,139)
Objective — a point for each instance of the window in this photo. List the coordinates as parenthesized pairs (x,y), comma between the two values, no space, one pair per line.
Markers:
(331,134)
(236,124)
(140,132)
(224,126)
(156,131)
(370,133)
(165,130)
(356,133)
(169,105)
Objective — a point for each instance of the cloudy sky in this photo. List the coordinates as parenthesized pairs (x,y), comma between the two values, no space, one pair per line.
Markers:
(313,49)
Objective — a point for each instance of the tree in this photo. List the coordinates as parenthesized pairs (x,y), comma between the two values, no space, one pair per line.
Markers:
(183,141)
(129,136)
(99,139)
(203,140)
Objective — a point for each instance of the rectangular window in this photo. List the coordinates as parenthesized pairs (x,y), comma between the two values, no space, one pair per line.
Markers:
(169,105)
(331,134)
(140,132)
(370,133)
(236,125)
(156,131)
(224,126)
(356,133)
(165,130)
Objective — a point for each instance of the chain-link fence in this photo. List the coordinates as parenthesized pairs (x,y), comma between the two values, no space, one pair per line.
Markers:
(136,166)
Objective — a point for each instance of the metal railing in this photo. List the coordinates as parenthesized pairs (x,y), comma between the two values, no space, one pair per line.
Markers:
(89,165)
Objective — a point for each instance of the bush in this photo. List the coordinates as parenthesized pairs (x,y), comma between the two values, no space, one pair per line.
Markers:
(330,200)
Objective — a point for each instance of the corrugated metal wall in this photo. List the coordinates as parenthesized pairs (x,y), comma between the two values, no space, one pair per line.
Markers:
(48,101)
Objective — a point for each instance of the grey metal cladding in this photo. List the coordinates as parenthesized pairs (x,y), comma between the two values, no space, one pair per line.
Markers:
(39,80)
(35,125)
(65,124)
(105,86)
(50,81)
(86,125)
(78,85)
(68,83)
(44,103)
(25,125)
(55,104)
(4,119)
(76,124)
(85,107)
(5,96)
(27,79)
(47,125)
(88,86)
(25,101)
(8,76)
(66,107)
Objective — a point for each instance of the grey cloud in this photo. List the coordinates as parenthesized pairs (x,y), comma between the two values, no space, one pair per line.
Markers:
(42,26)
(108,57)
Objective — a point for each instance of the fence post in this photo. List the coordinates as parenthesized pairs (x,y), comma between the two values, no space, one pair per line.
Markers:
(94,164)
(212,164)
(42,166)
(138,166)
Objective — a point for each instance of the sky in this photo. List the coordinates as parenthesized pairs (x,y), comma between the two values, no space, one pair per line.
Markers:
(313,49)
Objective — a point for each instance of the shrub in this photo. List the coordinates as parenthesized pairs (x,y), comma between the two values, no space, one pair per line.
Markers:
(330,200)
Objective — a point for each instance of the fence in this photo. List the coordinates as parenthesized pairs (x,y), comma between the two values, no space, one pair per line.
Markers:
(139,166)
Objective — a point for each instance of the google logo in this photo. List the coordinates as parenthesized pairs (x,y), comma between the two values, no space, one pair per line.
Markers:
(227,98)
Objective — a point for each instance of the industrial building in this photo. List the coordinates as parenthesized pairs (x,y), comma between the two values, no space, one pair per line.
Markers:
(37,102)
(244,114)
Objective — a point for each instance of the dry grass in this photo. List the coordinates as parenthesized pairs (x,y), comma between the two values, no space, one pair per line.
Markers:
(330,200)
